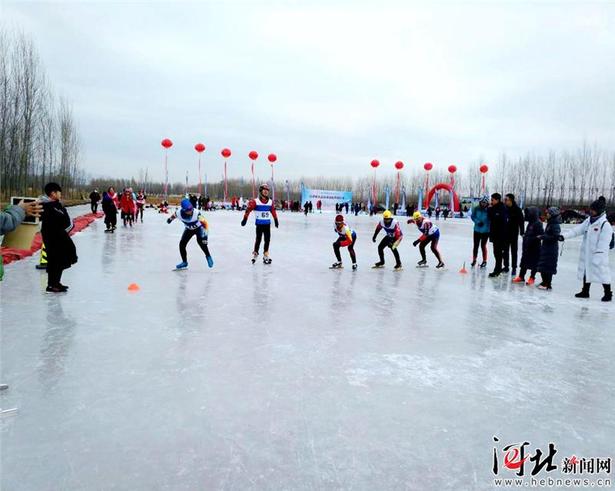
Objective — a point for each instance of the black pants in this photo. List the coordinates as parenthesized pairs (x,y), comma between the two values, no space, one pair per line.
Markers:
(512,245)
(263,230)
(336,249)
(111,219)
(498,253)
(139,212)
(94,206)
(201,239)
(434,248)
(546,279)
(388,242)
(54,274)
(480,240)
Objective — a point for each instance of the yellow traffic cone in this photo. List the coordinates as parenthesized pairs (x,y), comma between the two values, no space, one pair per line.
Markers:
(42,264)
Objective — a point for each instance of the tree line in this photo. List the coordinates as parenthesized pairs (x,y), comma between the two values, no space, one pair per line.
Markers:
(39,141)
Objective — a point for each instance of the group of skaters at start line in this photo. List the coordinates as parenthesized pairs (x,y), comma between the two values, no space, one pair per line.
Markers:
(496,221)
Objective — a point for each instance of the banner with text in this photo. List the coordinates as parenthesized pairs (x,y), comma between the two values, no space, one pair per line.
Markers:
(328,198)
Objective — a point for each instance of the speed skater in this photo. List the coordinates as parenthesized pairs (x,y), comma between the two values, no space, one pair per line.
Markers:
(346,238)
(392,238)
(195,225)
(430,234)
(264,210)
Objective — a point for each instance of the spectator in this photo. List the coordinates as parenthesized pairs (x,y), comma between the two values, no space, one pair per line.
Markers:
(55,229)
(497,232)
(514,229)
(94,199)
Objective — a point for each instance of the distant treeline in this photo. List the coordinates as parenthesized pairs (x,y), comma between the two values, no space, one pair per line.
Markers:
(38,134)
(572,179)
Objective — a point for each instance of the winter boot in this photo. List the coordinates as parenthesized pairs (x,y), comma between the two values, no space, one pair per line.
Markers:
(584,293)
(608,293)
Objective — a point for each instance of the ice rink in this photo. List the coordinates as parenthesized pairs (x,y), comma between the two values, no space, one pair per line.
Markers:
(292,376)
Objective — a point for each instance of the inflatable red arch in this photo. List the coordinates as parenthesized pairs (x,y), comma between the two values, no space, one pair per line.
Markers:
(449,188)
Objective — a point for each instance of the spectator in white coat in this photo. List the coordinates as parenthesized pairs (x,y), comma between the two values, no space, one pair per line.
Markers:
(594,257)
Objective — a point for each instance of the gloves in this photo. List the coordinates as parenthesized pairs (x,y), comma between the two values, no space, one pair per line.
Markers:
(416,242)
(276,224)
(410,221)
(560,238)
(243,222)
(169,220)
(374,239)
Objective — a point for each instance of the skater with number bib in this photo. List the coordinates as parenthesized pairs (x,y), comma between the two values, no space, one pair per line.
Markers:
(264,211)
(430,234)
(195,225)
(391,239)
(346,238)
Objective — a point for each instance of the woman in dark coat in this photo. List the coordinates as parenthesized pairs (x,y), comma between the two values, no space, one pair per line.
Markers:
(549,250)
(531,246)
(110,211)
(55,228)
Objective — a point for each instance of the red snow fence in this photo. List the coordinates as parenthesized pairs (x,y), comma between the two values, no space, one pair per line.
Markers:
(9,254)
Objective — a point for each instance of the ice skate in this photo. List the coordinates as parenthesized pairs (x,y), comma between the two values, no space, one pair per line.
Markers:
(181,266)
(254,256)
(440,265)
(473,263)
(483,264)
(422,264)
(354,267)
(378,265)
(210,261)
(266,259)
(398,267)
(336,266)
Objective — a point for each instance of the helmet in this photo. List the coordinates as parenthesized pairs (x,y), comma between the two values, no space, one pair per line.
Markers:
(417,215)
(339,219)
(387,215)
(263,186)
(186,205)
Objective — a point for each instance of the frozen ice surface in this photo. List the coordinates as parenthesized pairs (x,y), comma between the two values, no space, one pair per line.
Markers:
(292,376)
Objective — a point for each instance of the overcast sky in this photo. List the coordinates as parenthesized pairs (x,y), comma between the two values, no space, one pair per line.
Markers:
(328,86)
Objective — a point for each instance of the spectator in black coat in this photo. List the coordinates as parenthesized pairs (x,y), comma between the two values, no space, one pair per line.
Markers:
(497,232)
(94,199)
(531,246)
(514,228)
(55,228)
(549,249)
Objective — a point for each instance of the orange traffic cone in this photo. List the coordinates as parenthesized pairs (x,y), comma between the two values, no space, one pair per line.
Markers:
(133,287)
(463,269)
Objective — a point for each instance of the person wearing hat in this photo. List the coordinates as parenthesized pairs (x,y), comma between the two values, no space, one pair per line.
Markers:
(346,238)
(56,225)
(392,239)
(430,234)
(264,211)
(498,232)
(480,217)
(549,248)
(594,253)
(195,225)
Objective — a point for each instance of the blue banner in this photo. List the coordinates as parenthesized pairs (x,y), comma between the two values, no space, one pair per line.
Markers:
(328,198)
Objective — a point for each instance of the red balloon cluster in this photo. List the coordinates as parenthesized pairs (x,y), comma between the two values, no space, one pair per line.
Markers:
(428,166)
(199,147)
(375,163)
(253,155)
(272,157)
(166,143)
(452,169)
(484,168)
(226,153)
(399,165)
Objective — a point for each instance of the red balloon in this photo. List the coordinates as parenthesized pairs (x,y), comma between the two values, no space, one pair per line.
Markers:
(166,143)
(428,166)
(226,153)
(484,168)
(272,157)
(452,169)
(375,163)
(199,147)
(253,155)
(399,165)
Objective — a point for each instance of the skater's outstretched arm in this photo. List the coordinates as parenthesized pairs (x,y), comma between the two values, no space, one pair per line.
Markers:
(172,217)
(376,232)
(251,206)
